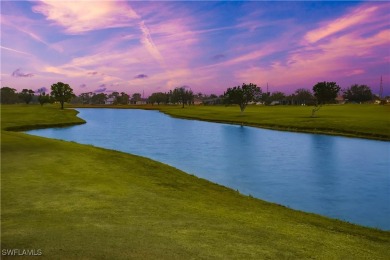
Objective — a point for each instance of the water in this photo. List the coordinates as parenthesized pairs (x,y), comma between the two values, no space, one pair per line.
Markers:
(344,178)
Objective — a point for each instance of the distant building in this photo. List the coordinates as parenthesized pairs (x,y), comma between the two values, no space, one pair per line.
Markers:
(197,101)
(340,99)
(212,101)
(143,101)
(110,101)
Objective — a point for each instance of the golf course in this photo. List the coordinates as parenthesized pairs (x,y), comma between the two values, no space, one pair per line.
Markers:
(73,201)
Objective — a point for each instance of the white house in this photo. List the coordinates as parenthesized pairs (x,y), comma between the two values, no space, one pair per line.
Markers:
(109,101)
(143,101)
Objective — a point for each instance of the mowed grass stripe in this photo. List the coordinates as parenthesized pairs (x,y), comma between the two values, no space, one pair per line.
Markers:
(77,201)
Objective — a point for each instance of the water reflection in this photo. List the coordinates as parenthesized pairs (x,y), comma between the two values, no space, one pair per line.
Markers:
(339,177)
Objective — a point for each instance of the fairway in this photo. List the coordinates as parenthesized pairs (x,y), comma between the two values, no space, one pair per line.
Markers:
(366,121)
(74,201)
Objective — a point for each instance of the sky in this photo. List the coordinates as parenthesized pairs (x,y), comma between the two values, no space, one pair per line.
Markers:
(208,46)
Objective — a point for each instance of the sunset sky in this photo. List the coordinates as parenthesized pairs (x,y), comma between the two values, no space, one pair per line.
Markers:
(105,46)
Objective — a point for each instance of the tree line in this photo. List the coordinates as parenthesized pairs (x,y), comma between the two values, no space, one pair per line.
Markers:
(180,95)
(60,92)
(322,92)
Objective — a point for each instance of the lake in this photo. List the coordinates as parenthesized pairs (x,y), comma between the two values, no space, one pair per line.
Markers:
(339,177)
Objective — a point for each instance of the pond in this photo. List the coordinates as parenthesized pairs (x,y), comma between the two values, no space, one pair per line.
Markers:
(339,177)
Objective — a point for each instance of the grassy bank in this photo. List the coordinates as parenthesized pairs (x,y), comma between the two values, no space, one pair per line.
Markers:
(354,120)
(76,201)
(27,117)
(366,121)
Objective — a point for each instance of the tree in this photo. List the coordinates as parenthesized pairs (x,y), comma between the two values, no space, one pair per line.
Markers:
(99,99)
(62,93)
(26,95)
(123,99)
(242,95)
(276,97)
(8,95)
(43,98)
(168,97)
(303,97)
(358,93)
(135,98)
(158,98)
(189,97)
(265,98)
(325,92)
(183,96)
(177,95)
(114,95)
(86,98)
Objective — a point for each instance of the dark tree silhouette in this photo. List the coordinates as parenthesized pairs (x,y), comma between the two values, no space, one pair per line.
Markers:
(242,95)
(98,99)
(358,93)
(62,93)
(123,99)
(43,98)
(158,98)
(303,96)
(325,92)
(183,96)
(8,95)
(26,95)
(136,97)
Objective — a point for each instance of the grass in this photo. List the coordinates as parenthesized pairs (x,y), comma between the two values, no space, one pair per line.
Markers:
(366,121)
(74,201)
(27,117)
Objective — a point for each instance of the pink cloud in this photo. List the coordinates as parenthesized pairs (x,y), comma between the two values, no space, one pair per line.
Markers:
(250,56)
(174,43)
(27,27)
(108,67)
(337,59)
(149,44)
(82,16)
(15,51)
(357,18)
(354,46)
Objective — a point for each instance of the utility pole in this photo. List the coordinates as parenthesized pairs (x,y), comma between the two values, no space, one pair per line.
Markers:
(381,89)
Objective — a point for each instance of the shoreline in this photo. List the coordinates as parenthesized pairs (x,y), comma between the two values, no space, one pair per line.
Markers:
(123,197)
(32,127)
(329,131)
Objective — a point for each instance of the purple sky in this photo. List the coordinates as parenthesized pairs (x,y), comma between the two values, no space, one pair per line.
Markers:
(148,47)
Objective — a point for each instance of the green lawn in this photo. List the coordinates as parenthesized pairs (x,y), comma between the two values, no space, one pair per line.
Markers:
(27,117)
(367,121)
(81,202)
